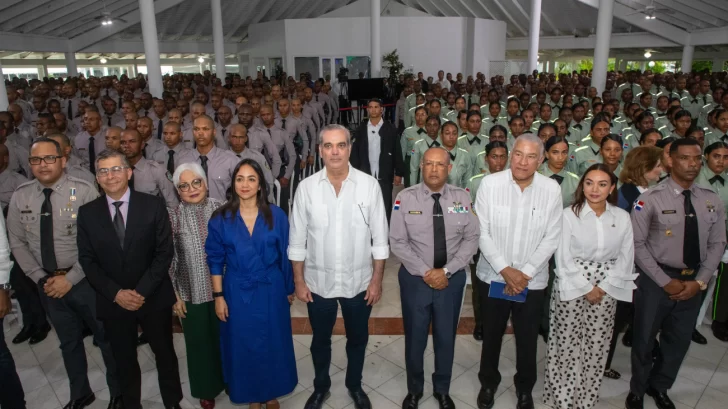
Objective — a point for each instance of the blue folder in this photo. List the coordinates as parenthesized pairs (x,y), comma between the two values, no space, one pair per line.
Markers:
(498,290)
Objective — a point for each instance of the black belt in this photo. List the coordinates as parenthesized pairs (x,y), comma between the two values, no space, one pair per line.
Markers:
(685,274)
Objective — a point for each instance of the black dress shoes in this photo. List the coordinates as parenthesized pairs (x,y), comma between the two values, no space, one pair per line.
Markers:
(478,333)
(411,401)
(81,403)
(25,333)
(634,402)
(627,337)
(444,401)
(116,403)
(486,398)
(661,399)
(720,330)
(316,400)
(361,400)
(525,401)
(40,334)
(698,338)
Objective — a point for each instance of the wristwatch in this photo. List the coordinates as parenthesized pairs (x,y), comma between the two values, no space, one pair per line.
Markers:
(447,273)
(6,287)
(702,284)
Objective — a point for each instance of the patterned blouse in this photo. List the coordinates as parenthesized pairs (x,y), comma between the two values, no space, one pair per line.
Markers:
(189,272)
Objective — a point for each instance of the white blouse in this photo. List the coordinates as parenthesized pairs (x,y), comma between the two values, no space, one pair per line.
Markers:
(599,239)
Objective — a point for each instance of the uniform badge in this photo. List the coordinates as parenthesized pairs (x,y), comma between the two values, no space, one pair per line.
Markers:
(396,204)
(638,205)
(415,212)
(710,206)
(73,195)
(668,233)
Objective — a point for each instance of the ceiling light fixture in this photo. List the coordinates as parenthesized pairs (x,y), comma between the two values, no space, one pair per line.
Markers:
(648,54)
(106,22)
(651,63)
(102,60)
(200,59)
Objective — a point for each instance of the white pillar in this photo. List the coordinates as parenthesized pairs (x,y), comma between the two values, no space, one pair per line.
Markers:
(217,40)
(533,33)
(240,64)
(151,47)
(376,51)
(718,64)
(643,66)
(42,71)
(687,58)
(71,68)
(601,49)
(3,92)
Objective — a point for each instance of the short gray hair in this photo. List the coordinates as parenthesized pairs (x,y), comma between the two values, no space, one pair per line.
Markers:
(529,137)
(193,167)
(108,154)
(334,127)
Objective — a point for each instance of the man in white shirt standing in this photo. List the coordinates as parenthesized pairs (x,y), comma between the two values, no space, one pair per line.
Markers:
(520,227)
(338,246)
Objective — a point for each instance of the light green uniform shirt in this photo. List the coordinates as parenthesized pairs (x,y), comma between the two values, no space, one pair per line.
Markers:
(409,118)
(568,184)
(461,168)
(714,136)
(409,137)
(585,155)
(473,146)
(473,185)
(721,190)
(489,122)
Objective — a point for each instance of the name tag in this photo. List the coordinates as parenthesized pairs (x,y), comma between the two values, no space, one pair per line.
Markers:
(669,212)
(415,212)
(26,211)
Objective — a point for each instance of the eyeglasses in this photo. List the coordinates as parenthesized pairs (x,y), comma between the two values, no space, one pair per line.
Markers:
(184,187)
(115,170)
(50,159)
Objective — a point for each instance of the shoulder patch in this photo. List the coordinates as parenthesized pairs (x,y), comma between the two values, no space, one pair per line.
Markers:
(638,205)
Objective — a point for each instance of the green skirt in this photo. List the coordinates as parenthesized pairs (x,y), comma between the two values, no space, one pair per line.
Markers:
(202,338)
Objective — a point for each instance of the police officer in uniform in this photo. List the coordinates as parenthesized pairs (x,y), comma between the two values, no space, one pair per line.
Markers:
(435,234)
(679,235)
(148,176)
(42,231)
(430,139)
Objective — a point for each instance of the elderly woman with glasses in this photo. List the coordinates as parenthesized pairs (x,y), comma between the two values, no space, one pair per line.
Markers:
(193,284)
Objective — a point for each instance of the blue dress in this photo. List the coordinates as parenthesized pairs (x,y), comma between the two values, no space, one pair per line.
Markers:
(256,341)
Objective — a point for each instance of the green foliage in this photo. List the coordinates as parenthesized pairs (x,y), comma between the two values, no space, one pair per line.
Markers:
(698,66)
(391,61)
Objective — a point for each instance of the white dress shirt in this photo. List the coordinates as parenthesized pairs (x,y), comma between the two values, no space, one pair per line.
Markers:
(5,263)
(375,146)
(338,236)
(518,229)
(598,239)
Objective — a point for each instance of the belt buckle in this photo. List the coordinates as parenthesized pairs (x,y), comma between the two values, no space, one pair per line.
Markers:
(687,272)
(59,273)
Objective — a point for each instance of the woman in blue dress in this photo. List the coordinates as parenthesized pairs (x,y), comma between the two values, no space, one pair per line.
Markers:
(252,280)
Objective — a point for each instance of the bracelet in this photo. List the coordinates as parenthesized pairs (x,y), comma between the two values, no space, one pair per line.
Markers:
(217,294)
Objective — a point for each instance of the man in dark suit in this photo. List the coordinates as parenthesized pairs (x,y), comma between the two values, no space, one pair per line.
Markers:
(125,248)
(376,150)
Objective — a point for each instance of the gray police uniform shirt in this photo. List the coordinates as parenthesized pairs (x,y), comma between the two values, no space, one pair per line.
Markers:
(151,178)
(151,146)
(220,166)
(261,142)
(24,214)
(75,168)
(296,131)
(18,158)
(411,234)
(658,221)
(9,181)
(82,141)
(161,156)
(284,148)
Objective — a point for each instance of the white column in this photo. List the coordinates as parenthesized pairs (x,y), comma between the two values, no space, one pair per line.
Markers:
(643,66)
(42,71)
(718,64)
(601,49)
(376,51)
(687,58)
(533,33)
(3,92)
(151,47)
(71,68)
(217,40)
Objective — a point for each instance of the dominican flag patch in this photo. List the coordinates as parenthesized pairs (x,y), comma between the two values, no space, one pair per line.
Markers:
(571,157)
(396,205)
(625,146)
(467,189)
(413,151)
(638,205)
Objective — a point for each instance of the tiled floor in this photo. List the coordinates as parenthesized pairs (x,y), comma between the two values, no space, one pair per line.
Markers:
(702,382)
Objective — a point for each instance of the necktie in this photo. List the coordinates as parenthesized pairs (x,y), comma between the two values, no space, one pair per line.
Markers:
(70,110)
(469,101)
(131,180)
(695,101)
(92,155)
(595,152)
(107,92)
(119,223)
(160,128)
(452,157)
(420,131)
(47,251)
(495,120)
(691,239)
(476,139)
(438,223)
(316,97)
(203,163)
(17,131)
(577,126)
(284,123)
(217,121)
(717,178)
(170,162)
(557,178)
(121,102)
(146,112)
(109,120)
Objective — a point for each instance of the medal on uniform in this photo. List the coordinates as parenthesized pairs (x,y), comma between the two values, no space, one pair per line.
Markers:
(73,195)
(668,233)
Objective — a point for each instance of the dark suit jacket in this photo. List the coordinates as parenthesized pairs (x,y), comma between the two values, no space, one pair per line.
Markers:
(143,263)
(390,155)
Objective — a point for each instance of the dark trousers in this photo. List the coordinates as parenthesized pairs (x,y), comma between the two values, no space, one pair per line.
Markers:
(622,319)
(387,188)
(675,320)
(422,306)
(11,391)
(544,326)
(477,316)
(720,296)
(69,315)
(526,318)
(26,293)
(157,326)
(322,315)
